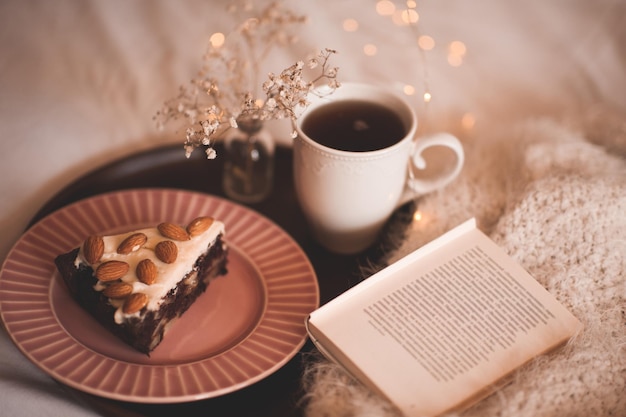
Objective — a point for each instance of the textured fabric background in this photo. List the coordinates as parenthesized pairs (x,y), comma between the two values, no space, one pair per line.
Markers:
(556,203)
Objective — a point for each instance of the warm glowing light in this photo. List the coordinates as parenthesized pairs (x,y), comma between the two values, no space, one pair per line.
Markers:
(350,25)
(217,39)
(405,17)
(456,52)
(427,97)
(385,7)
(410,16)
(457,48)
(468,121)
(411,4)
(426,42)
(417,216)
(370,49)
(409,90)
(258,102)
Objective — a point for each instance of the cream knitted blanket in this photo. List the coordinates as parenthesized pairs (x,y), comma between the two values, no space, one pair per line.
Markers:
(553,195)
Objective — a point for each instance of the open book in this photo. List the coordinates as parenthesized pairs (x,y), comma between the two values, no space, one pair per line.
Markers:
(440,328)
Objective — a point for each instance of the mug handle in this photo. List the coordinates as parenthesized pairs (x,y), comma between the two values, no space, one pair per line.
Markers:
(423,186)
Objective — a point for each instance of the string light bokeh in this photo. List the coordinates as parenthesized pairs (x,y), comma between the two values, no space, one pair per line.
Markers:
(404,15)
(407,16)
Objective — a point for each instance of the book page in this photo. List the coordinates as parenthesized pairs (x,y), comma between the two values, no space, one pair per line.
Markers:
(435,330)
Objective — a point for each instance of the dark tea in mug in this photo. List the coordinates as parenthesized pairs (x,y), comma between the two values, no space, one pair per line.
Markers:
(354,125)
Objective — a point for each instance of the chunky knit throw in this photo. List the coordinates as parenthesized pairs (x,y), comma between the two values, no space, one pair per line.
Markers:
(553,195)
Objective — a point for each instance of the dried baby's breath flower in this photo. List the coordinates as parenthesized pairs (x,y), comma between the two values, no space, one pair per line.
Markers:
(224,93)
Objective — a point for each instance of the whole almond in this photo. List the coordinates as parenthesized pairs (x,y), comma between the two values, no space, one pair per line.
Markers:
(111,270)
(146,271)
(166,251)
(118,290)
(173,231)
(93,249)
(199,225)
(135,302)
(132,243)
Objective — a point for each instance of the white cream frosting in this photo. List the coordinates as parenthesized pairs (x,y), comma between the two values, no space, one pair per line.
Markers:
(168,275)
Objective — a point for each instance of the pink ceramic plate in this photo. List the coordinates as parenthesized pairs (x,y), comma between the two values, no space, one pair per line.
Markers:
(246,326)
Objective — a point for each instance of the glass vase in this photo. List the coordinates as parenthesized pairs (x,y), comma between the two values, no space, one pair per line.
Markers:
(249,162)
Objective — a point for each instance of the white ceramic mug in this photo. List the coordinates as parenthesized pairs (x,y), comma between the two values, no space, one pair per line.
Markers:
(347,196)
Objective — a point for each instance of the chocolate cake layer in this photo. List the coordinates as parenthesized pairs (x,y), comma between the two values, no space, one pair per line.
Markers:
(145,329)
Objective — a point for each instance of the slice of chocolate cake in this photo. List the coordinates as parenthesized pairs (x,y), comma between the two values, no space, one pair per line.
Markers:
(137,283)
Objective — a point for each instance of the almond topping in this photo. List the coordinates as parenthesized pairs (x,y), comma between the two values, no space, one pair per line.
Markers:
(93,249)
(199,225)
(173,231)
(118,290)
(146,271)
(135,302)
(166,251)
(111,270)
(132,243)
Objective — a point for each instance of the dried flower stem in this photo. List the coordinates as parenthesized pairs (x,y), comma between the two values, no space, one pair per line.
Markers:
(223,93)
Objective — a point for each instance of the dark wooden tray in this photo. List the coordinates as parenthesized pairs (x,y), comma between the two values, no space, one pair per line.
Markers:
(279,394)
